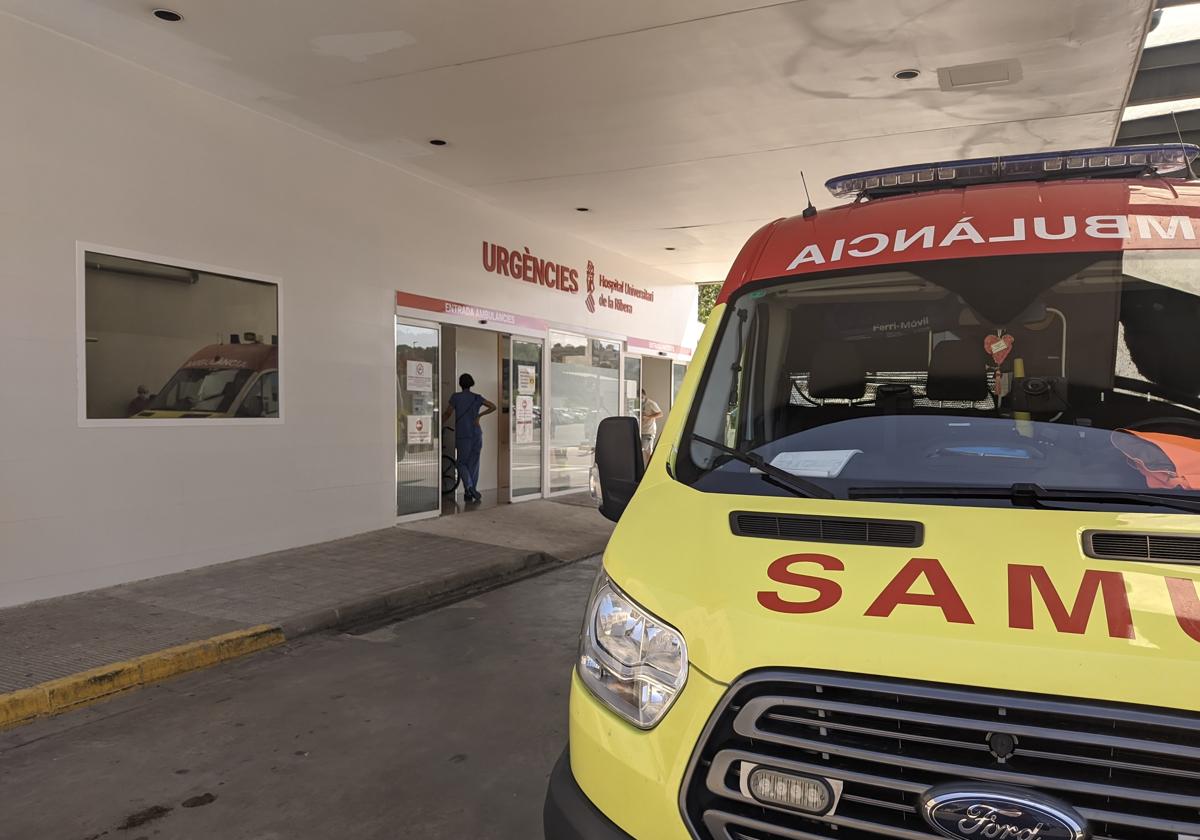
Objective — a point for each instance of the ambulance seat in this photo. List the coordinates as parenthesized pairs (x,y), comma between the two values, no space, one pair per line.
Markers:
(957,373)
(837,372)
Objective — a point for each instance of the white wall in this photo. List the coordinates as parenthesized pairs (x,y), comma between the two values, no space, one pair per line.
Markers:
(99,150)
(477,353)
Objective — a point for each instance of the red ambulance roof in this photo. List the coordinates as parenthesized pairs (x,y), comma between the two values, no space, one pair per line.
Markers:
(1024,217)
(241,356)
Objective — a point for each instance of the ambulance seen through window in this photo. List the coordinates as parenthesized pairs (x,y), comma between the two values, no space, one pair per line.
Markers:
(262,399)
(164,341)
(1057,381)
(197,389)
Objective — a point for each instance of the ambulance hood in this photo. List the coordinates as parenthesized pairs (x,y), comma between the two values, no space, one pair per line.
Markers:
(1003,598)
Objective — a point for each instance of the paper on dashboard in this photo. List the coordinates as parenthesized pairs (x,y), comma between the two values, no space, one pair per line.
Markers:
(818,463)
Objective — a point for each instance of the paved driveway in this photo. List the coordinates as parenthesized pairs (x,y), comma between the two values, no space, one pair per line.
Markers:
(443,726)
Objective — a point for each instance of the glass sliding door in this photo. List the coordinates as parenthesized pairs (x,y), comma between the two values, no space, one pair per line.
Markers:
(584,388)
(418,419)
(525,418)
(678,370)
(569,372)
(633,388)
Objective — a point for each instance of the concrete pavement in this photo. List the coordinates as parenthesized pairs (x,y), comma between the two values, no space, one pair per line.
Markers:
(442,726)
(298,591)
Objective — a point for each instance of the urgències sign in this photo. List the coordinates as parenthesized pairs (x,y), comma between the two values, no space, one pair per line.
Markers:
(599,290)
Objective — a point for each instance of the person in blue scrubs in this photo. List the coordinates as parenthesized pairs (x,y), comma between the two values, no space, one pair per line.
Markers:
(466,407)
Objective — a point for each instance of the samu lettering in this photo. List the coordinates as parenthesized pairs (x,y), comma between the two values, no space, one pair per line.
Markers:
(809,585)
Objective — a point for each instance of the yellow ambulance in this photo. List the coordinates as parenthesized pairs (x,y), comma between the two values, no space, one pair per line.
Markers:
(918,554)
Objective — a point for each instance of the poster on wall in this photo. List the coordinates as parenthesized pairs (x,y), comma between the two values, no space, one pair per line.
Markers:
(420,376)
(526,379)
(420,428)
(524,419)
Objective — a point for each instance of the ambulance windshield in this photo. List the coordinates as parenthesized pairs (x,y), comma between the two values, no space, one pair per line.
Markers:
(195,389)
(975,378)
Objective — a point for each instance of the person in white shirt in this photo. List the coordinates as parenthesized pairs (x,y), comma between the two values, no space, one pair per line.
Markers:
(650,414)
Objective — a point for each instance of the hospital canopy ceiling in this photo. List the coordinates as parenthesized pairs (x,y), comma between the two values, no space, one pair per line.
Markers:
(1164,101)
(681,125)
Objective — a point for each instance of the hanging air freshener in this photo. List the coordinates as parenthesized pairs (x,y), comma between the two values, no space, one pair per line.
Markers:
(998,347)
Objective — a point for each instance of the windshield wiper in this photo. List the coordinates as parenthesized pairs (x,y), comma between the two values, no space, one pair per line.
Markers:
(798,485)
(1024,495)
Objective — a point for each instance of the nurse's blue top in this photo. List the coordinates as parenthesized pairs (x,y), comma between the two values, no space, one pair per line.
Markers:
(466,407)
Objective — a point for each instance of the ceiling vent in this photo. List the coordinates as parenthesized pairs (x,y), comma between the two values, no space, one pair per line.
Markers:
(982,74)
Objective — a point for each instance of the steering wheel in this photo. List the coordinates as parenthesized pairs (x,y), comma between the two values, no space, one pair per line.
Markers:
(1164,423)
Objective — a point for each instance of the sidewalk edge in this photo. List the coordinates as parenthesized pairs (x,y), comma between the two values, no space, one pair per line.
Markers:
(50,698)
(391,603)
(70,692)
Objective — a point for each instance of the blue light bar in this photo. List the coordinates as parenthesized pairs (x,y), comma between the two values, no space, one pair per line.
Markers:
(1077,163)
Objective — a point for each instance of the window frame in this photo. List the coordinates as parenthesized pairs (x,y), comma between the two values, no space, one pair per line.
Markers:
(83,421)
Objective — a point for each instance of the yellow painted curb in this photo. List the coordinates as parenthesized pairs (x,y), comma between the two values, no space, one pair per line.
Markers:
(50,698)
(19,706)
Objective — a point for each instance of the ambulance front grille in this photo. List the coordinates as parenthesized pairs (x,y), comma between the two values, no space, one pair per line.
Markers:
(1133,772)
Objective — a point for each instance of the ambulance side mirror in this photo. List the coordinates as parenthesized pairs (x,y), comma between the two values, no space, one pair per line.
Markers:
(619,463)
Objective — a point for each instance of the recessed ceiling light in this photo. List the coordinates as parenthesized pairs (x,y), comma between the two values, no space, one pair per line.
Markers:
(168,15)
(437,141)
(907,74)
(583,209)
(669,248)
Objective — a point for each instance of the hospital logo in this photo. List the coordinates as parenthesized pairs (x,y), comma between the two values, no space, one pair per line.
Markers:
(590,302)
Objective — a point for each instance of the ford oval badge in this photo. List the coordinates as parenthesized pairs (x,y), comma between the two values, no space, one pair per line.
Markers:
(995,812)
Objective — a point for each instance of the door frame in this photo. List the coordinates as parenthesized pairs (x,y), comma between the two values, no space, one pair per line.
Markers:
(512,415)
(437,327)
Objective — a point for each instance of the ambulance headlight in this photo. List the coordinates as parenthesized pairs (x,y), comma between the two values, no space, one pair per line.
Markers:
(630,659)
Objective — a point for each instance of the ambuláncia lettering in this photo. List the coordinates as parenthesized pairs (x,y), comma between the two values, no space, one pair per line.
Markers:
(965,233)
(218,362)
(924,582)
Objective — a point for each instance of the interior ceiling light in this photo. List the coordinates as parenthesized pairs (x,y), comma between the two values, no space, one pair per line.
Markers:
(437,141)
(168,15)
(906,74)
(583,209)
(669,248)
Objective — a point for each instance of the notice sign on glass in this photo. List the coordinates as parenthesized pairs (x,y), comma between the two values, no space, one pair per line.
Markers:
(420,429)
(526,379)
(524,419)
(420,376)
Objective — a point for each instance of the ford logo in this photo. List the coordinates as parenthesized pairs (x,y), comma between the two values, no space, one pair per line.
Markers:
(994,812)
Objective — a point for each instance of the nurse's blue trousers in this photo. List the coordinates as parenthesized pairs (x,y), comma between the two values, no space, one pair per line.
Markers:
(467,450)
